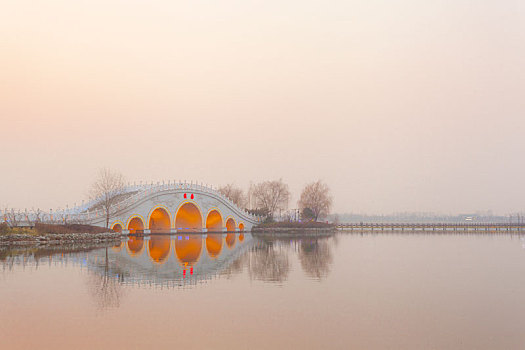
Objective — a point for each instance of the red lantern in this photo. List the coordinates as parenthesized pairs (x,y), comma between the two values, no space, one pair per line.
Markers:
(192,196)
(185,195)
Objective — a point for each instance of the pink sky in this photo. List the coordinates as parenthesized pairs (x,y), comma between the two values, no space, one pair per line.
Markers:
(412,106)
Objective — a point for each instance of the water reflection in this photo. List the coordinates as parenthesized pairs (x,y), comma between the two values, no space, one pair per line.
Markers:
(186,260)
(269,262)
(135,245)
(104,287)
(188,249)
(159,248)
(315,256)
(214,244)
(230,240)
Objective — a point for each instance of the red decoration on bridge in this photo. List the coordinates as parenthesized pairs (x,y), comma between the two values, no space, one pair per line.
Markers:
(192,196)
(185,195)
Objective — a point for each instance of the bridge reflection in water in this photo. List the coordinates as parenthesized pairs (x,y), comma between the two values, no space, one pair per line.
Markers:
(170,259)
(187,259)
(184,260)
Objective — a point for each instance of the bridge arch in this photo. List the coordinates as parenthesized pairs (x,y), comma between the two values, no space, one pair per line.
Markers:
(230,224)
(188,217)
(241,226)
(214,220)
(135,224)
(117,226)
(159,219)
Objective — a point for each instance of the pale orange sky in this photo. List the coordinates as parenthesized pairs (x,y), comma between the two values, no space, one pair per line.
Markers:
(398,106)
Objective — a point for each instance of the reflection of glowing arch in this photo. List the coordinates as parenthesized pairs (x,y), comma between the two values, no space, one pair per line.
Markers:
(241,226)
(188,217)
(117,248)
(230,224)
(241,237)
(214,244)
(135,245)
(188,249)
(117,226)
(230,240)
(159,219)
(135,223)
(159,248)
(214,220)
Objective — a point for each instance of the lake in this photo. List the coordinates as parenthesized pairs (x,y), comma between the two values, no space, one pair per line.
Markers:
(240,291)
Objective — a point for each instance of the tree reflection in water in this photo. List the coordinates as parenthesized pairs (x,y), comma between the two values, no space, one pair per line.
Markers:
(105,289)
(269,262)
(316,258)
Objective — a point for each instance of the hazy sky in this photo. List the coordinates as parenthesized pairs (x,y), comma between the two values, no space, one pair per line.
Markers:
(396,105)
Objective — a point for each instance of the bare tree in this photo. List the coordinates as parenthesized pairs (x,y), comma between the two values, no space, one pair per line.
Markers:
(272,195)
(236,194)
(34,216)
(316,197)
(107,188)
(12,217)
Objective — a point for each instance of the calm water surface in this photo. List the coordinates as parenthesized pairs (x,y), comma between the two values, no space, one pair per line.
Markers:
(218,291)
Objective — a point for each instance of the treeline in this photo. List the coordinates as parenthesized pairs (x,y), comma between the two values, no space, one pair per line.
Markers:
(269,197)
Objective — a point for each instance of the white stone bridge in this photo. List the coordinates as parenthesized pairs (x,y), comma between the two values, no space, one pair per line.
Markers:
(168,207)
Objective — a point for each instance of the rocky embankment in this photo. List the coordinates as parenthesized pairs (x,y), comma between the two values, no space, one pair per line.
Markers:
(59,239)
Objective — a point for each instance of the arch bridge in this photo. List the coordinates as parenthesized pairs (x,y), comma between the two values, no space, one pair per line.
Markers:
(172,208)
(167,207)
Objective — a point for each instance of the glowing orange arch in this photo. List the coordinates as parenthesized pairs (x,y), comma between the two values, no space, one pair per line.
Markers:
(214,220)
(188,217)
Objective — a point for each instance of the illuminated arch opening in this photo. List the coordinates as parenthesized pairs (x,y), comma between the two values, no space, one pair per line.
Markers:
(159,248)
(230,240)
(214,221)
(241,226)
(241,237)
(214,244)
(136,225)
(135,245)
(117,228)
(159,221)
(188,249)
(230,225)
(189,218)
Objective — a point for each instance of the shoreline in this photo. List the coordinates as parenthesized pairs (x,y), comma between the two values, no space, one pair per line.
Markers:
(54,239)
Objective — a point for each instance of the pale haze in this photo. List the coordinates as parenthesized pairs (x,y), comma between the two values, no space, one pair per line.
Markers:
(397,106)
